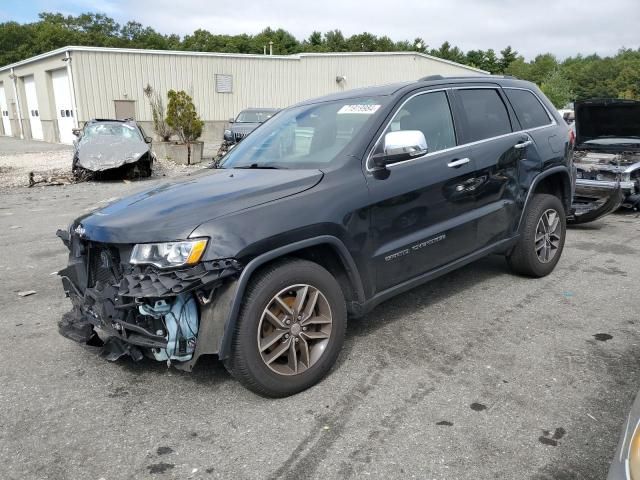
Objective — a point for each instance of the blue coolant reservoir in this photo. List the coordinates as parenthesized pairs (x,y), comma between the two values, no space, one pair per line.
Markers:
(181,325)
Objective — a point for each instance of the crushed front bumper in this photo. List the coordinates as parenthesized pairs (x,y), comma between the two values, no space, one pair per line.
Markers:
(594,199)
(135,310)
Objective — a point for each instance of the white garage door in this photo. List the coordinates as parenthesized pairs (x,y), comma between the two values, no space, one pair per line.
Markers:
(4,112)
(64,112)
(32,107)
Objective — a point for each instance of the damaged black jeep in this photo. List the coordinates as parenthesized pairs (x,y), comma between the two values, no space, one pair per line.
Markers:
(607,156)
(329,208)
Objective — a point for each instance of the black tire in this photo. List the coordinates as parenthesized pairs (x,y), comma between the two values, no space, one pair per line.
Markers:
(524,259)
(245,362)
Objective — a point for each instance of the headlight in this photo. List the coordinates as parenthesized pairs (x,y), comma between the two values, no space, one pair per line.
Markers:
(227,133)
(168,254)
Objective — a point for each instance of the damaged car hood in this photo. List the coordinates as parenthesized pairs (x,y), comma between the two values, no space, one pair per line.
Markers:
(600,119)
(173,210)
(105,152)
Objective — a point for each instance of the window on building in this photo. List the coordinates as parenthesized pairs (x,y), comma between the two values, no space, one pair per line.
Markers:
(224,83)
(528,108)
(485,112)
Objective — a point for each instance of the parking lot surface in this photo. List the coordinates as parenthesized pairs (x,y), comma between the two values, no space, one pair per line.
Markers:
(477,375)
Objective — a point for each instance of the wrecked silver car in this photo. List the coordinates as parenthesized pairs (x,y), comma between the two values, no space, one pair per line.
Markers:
(112,148)
(607,156)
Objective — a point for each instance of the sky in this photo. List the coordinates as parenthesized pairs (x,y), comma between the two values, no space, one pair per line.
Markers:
(562,27)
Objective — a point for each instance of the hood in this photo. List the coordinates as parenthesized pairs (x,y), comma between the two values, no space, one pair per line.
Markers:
(173,210)
(606,118)
(104,152)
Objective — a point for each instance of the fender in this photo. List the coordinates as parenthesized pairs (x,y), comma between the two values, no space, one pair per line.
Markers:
(233,300)
(537,179)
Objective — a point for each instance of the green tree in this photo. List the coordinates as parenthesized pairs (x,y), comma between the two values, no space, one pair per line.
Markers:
(557,88)
(507,57)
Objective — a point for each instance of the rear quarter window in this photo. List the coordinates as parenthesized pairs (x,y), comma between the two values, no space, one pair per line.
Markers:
(485,112)
(528,108)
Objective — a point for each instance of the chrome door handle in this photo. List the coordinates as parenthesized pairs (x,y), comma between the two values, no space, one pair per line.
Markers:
(523,144)
(458,163)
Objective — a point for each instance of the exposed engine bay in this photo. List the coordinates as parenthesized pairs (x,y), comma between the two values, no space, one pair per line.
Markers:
(136,310)
(621,167)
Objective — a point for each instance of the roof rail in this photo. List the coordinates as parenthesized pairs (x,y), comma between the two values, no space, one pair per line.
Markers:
(431,77)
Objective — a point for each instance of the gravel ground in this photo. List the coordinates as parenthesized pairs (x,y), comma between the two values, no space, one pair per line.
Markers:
(477,375)
(50,160)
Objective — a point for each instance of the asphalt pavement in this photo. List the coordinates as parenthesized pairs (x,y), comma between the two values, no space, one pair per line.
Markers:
(477,375)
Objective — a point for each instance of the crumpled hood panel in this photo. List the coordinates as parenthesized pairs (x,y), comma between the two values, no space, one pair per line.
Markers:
(104,152)
(173,210)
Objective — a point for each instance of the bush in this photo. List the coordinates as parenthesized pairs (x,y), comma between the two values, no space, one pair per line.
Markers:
(183,118)
(157,111)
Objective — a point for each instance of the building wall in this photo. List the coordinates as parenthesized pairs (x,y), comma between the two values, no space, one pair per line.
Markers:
(102,76)
(258,81)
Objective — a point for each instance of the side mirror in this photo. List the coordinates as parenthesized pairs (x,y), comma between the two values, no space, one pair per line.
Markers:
(148,139)
(231,120)
(77,131)
(400,146)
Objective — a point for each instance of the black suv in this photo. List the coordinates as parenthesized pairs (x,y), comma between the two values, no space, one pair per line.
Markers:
(331,207)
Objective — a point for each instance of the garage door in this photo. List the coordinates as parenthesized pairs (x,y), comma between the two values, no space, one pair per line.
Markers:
(32,107)
(64,112)
(4,112)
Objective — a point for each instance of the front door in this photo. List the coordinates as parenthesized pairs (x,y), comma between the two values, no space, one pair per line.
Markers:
(422,213)
(32,108)
(125,109)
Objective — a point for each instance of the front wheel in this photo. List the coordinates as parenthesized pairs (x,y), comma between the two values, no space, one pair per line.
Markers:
(542,237)
(290,329)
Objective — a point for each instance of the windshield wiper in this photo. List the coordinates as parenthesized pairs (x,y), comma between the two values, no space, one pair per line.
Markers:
(259,166)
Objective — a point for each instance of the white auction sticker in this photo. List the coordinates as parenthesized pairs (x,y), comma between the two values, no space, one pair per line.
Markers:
(365,109)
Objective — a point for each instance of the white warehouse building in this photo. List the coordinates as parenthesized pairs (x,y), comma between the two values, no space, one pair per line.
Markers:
(46,96)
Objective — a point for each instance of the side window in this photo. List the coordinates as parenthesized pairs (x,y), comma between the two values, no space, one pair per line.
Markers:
(429,113)
(528,108)
(486,114)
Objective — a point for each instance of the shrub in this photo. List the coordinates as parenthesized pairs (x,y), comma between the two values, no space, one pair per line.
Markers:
(183,119)
(157,111)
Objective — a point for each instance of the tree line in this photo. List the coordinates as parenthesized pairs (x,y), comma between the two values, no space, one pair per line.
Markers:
(562,81)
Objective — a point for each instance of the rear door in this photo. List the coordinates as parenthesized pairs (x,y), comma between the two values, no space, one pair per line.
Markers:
(421,215)
(498,149)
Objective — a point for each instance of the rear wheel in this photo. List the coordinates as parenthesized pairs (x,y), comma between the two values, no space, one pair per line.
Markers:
(542,237)
(290,329)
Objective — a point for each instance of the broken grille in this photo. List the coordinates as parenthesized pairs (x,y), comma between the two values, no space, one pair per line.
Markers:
(104,265)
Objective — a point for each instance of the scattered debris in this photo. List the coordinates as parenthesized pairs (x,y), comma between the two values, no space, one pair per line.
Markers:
(164,450)
(591,417)
(552,439)
(14,227)
(26,293)
(160,467)
(477,407)
(445,423)
(602,337)
(50,180)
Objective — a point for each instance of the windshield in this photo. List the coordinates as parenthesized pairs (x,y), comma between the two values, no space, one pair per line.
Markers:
(254,116)
(111,130)
(309,136)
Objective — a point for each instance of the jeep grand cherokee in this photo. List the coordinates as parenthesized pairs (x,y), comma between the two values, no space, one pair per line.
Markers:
(328,209)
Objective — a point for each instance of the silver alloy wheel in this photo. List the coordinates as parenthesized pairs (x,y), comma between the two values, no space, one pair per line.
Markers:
(294,329)
(548,235)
